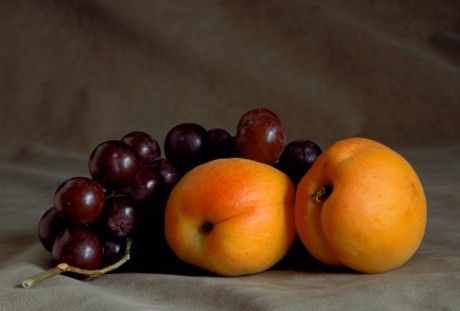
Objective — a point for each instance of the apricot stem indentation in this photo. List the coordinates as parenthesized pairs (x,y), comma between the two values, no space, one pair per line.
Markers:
(206,227)
(322,194)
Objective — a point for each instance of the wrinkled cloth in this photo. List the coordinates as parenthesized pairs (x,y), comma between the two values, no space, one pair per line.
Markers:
(430,280)
(76,73)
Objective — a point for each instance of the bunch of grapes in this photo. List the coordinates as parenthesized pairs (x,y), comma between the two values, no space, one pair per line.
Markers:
(93,218)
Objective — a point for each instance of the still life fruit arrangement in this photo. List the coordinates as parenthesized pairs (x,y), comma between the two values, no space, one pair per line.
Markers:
(234,205)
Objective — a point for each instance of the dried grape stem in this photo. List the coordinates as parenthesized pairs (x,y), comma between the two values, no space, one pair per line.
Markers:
(63,267)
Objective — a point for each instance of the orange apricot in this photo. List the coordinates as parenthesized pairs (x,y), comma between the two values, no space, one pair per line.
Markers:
(361,205)
(231,216)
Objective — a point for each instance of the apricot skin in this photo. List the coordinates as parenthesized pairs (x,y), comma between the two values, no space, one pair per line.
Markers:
(374,218)
(231,216)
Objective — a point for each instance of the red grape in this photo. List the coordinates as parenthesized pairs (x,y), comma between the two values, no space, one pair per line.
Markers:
(78,246)
(260,136)
(119,217)
(49,227)
(187,145)
(170,172)
(113,164)
(297,157)
(146,148)
(79,200)
(222,144)
(113,250)
(146,186)
(258,113)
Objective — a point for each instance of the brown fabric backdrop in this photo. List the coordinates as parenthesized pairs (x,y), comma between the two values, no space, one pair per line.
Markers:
(75,73)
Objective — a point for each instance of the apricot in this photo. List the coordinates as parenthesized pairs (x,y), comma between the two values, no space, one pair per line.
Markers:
(231,216)
(361,205)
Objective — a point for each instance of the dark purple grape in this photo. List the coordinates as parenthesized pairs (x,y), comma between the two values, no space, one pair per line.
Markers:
(146,148)
(170,172)
(260,136)
(222,144)
(49,227)
(113,250)
(187,145)
(79,200)
(297,158)
(119,217)
(113,164)
(78,246)
(147,186)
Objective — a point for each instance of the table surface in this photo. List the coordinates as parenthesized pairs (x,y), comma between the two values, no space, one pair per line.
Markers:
(430,280)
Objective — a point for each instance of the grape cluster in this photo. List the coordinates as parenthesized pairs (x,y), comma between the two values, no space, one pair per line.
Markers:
(92,218)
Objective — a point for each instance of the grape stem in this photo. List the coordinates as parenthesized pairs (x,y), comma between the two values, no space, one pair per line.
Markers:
(63,267)
(114,194)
